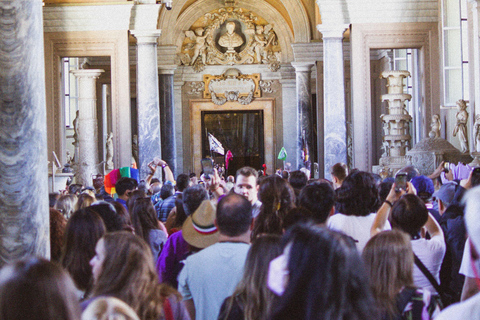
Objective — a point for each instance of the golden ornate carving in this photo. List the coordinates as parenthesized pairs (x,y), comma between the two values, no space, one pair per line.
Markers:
(232,86)
(230,36)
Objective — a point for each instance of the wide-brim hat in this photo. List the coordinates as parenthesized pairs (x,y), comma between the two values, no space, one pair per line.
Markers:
(199,229)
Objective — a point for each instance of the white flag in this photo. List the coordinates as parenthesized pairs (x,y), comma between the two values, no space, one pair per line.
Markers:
(215,145)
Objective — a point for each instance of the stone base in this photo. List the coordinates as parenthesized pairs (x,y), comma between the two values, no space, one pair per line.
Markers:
(476,159)
(430,152)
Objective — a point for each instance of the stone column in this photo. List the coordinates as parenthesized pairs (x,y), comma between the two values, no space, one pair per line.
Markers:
(24,216)
(149,145)
(475,58)
(303,72)
(335,122)
(167,120)
(86,126)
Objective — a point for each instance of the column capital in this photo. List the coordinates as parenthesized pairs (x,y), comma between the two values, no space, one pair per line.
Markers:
(87,73)
(302,66)
(307,52)
(167,69)
(332,31)
(146,36)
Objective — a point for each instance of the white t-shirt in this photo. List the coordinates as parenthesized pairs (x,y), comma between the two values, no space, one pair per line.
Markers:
(466,310)
(357,227)
(431,253)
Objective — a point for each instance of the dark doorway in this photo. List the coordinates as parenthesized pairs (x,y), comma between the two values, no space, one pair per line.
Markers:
(241,132)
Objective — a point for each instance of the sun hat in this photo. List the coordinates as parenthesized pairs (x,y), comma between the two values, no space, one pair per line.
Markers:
(199,229)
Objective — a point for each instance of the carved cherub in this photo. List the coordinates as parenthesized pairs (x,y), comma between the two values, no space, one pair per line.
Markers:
(200,47)
(263,37)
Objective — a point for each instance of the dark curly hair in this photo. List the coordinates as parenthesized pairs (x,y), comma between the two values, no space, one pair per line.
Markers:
(278,198)
(358,195)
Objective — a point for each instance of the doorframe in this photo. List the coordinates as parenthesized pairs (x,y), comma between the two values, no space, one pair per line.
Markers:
(267,105)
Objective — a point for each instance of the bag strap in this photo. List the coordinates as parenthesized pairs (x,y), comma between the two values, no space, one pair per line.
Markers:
(427,274)
(167,309)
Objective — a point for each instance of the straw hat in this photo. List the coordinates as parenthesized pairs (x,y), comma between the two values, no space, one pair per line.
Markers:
(199,229)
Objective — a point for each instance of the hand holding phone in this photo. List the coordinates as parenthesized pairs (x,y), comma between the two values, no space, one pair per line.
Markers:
(207,167)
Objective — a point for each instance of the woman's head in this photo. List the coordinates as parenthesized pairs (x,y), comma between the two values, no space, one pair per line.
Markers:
(123,267)
(388,257)
(409,214)
(358,195)
(84,200)
(144,218)
(37,289)
(66,204)
(134,195)
(277,198)
(84,229)
(320,276)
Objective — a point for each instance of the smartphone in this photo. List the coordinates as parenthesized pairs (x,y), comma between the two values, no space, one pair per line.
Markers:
(207,167)
(401,182)
(446,167)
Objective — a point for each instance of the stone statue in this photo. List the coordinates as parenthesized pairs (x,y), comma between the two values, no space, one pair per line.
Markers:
(436,126)
(230,39)
(75,129)
(476,133)
(461,126)
(135,148)
(109,147)
(200,47)
(260,43)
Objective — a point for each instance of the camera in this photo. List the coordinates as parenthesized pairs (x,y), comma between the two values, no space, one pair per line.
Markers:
(168,4)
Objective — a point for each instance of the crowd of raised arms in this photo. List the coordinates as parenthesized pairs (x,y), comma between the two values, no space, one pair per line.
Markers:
(257,247)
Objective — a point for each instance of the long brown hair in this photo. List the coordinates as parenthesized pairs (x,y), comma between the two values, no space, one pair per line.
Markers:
(389,260)
(252,292)
(144,218)
(34,288)
(128,274)
(84,229)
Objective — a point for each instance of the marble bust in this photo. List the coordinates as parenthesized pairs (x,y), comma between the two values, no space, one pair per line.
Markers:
(230,39)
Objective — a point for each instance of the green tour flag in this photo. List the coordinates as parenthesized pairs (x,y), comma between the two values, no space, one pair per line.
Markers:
(283,154)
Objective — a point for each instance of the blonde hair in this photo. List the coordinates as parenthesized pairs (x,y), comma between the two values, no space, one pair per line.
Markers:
(388,258)
(109,308)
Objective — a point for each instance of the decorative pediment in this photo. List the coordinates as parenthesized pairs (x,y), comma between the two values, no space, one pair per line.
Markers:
(232,86)
(230,36)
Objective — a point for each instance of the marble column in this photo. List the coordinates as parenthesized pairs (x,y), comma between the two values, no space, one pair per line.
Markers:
(167,120)
(86,126)
(149,143)
(335,124)
(475,57)
(303,73)
(24,215)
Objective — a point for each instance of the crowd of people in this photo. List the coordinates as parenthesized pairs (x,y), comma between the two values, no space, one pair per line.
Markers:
(257,247)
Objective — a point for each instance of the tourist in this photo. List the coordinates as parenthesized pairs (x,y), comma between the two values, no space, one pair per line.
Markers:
(37,289)
(319,199)
(212,274)
(252,299)
(410,215)
(176,248)
(339,172)
(319,276)
(277,198)
(388,257)
(83,230)
(147,227)
(109,308)
(122,268)
(469,309)
(357,202)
